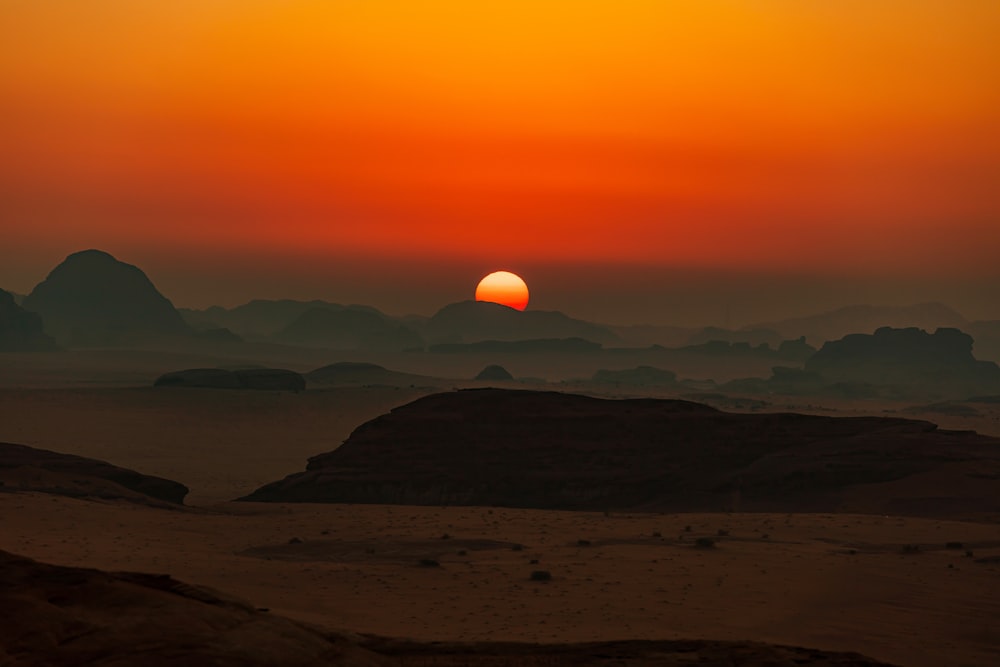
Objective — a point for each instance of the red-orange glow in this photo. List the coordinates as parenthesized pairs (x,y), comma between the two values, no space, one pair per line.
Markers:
(505,288)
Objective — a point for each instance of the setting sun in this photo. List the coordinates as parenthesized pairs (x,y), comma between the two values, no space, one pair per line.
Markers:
(505,288)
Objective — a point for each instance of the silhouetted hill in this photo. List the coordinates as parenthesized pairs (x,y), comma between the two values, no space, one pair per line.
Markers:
(92,299)
(791,350)
(260,318)
(836,324)
(277,379)
(563,451)
(68,616)
(24,468)
(471,321)
(493,372)
(911,359)
(348,329)
(20,330)
(359,374)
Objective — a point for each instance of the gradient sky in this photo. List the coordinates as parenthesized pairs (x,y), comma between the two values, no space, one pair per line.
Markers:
(394,152)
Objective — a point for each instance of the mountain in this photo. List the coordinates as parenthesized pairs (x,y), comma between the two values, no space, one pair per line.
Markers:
(20,330)
(348,329)
(260,318)
(471,321)
(92,299)
(754,337)
(71,616)
(563,451)
(987,337)
(835,324)
(911,359)
(26,468)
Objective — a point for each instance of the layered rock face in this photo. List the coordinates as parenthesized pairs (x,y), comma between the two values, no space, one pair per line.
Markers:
(563,451)
(20,330)
(29,469)
(92,299)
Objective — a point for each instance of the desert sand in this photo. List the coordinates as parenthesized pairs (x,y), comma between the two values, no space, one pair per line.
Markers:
(891,588)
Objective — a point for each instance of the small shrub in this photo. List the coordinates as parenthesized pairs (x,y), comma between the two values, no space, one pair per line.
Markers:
(687,529)
(953,545)
(517,547)
(462,552)
(704,543)
(295,540)
(446,536)
(541,575)
(533,561)
(429,562)
(911,548)
(722,532)
(583,543)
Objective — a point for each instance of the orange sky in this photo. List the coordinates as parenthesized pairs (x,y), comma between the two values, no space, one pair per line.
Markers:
(849,137)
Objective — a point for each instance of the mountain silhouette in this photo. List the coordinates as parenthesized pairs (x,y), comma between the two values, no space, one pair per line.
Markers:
(835,324)
(92,299)
(471,321)
(21,330)
(348,329)
(260,318)
(361,374)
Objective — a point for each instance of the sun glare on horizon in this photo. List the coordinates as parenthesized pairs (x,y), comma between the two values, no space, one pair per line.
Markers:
(505,288)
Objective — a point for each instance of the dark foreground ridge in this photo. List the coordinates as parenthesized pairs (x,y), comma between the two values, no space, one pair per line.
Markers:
(73,616)
(276,379)
(552,450)
(24,468)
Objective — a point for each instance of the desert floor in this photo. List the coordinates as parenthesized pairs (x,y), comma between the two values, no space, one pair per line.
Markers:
(840,582)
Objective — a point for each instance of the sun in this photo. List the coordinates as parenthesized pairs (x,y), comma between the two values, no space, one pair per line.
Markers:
(505,288)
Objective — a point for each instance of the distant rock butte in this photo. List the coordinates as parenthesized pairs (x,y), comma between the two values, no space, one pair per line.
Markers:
(92,299)
(218,378)
(69,616)
(494,373)
(24,468)
(910,358)
(354,373)
(563,451)
(20,330)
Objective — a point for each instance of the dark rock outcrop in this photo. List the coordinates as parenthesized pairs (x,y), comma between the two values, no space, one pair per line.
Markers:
(494,373)
(26,468)
(348,329)
(92,299)
(563,451)
(471,321)
(911,360)
(219,378)
(20,330)
(359,374)
(68,616)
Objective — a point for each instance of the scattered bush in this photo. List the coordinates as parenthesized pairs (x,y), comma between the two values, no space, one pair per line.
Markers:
(583,543)
(541,575)
(953,545)
(722,532)
(295,540)
(429,562)
(704,543)
(911,548)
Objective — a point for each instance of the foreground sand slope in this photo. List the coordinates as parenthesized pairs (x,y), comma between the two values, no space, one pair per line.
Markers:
(74,616)
(836,582)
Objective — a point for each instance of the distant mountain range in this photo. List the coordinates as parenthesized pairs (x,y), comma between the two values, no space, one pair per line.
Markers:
(93,299)
(20,330)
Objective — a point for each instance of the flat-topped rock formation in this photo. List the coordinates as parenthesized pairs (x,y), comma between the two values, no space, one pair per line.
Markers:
(92,299)
(276,379)
(24,468)
(563,451)
(361,374)
(69,616)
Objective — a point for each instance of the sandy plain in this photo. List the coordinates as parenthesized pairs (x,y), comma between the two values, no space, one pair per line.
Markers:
(842,582)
